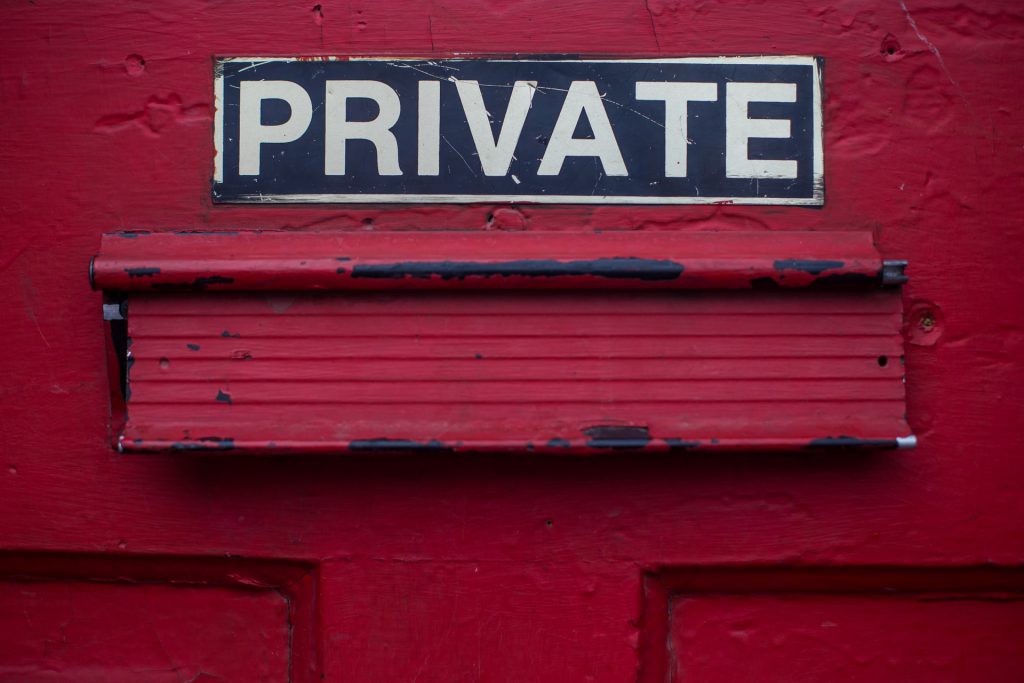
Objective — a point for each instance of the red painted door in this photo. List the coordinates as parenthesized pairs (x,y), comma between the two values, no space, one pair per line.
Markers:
(624,564)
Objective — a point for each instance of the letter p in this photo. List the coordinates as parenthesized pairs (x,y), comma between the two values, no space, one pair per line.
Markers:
(251,131)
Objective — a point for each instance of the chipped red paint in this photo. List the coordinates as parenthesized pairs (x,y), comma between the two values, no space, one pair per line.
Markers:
(281,261)
(865,565)
(555,372)
(568,358)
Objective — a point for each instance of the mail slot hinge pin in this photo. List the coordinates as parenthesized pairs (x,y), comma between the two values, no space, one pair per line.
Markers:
(893,273)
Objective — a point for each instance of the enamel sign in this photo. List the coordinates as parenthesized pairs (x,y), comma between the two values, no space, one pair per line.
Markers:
(744,130)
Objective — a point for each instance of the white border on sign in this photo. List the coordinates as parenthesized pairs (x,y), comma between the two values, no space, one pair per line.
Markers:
(510,199)
(218,123)
(818,160)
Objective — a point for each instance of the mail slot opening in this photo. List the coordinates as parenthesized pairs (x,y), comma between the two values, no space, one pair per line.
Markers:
(115,318)
(464,344)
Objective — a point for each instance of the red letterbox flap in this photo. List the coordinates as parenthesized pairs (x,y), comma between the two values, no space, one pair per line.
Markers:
(237,343)
(258,260)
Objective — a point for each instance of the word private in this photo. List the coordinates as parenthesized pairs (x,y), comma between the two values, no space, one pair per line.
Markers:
(744,130)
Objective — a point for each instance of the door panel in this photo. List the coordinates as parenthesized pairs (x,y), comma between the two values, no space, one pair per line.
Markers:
(108,115)
(881,638)
(88,617)
(80,631)
(800,624)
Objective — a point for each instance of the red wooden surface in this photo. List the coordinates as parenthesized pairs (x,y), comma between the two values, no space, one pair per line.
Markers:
(834,624)
(89,617)
(552,372)
(64,631)
(455,567)
(837,638)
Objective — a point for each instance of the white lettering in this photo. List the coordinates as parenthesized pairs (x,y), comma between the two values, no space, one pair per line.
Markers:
(676,96)
(582,97)
(428,160)
(340,130)
(251,131)
(739,128)
(495,157)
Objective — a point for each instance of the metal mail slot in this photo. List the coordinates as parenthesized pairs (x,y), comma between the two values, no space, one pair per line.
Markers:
(267,342)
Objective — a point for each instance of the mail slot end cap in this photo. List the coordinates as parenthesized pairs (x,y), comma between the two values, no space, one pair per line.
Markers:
(894,272)
(906,441)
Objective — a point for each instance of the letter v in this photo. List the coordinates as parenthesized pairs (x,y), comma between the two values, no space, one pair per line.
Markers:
(495,157)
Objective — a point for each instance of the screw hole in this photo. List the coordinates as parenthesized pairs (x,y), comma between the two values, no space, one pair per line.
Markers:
(134,65)
(883,361)
(890,46)
(549,522)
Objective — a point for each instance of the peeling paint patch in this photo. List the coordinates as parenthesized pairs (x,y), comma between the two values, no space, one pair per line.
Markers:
(615,267)
(142,272)
(433,446)
(205,233)
(847,280)
(682,444)
(202,282)
(764,283)
(196,285)
(807,266)
(205,443)
(617,436)
(851,442)
(156,115)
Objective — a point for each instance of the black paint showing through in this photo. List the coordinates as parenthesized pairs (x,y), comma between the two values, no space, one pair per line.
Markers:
(201,282)
(807,266)
(615,267)
(851,442)
(141,272)
(617,436)
(681,444)
(206,443)
(432,446)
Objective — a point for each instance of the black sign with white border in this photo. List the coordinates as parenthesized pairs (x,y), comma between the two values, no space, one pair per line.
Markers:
(743,130)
